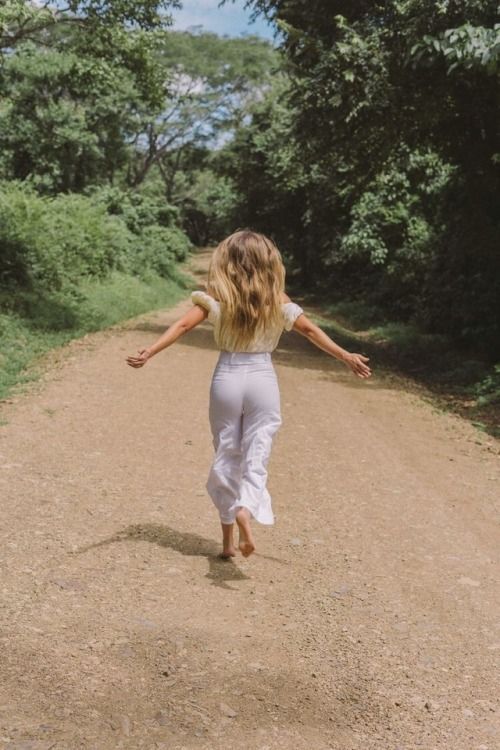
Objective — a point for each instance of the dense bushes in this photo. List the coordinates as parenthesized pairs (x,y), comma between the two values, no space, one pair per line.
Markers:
(50,246)
(157,242)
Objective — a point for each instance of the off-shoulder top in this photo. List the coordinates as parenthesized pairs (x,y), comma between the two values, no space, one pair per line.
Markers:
(264,342)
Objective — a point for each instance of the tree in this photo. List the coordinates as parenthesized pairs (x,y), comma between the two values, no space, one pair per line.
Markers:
(209,82)
(65,118)
(21,20)
(376,89)
(75,82)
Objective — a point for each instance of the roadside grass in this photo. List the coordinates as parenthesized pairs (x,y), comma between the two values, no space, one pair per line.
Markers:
(104,303)
(460,380)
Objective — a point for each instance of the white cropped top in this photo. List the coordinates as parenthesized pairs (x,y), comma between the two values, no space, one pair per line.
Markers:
(265,342)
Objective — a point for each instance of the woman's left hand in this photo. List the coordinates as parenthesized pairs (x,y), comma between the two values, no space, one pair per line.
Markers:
(144,355)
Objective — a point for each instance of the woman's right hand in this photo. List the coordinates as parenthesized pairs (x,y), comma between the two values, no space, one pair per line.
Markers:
(356,362)
(144,355)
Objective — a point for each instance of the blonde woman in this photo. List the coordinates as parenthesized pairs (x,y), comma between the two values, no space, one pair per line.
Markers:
(246,303)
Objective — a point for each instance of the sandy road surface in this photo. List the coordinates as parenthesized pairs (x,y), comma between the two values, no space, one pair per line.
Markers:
(369,619)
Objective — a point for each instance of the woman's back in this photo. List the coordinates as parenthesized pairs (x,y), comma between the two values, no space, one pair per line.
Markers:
(265,340)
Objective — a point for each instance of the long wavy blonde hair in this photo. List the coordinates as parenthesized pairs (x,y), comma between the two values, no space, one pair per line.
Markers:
(247,276)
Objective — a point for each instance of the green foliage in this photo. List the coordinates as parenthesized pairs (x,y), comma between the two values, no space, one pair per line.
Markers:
(355,314)
(157,243)
(467,46)
(208,206)
(66,118)
(20,346)
(82,89)
(103,303)
(21,20)
(378,169)
(488,390)
(137,210)
(159,248)
(391,220)
(269,175)
(121,296)
(209,83)
(129,104)
(394,223)
(148,14)
(51,245)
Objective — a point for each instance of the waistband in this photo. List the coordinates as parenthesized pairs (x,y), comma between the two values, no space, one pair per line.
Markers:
(243,358)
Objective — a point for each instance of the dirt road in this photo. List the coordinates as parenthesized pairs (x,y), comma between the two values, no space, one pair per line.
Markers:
(369,619)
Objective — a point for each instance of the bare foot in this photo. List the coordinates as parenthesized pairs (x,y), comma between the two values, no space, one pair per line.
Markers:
(228,548)
(227,553)
(246,543)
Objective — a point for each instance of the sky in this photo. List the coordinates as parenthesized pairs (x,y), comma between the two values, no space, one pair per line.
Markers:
(231,19)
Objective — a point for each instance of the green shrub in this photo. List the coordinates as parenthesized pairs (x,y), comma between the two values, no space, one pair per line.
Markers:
(488,390)
(137,210)
(50,246)
(160,249)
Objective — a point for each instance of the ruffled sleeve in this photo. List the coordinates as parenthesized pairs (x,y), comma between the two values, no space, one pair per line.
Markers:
(209,303)
(291,312)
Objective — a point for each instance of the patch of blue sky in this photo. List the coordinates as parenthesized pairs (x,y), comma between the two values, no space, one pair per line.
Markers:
(231,19)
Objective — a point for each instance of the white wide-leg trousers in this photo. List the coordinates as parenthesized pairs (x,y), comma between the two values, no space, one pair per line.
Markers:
(244,416)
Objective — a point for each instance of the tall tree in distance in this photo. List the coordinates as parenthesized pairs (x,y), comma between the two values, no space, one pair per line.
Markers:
(22,20)
(73,80)
(209,83)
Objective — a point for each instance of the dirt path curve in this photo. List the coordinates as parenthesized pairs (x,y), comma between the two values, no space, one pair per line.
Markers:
(368,620)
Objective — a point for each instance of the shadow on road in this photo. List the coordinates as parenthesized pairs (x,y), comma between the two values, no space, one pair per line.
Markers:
(220,572)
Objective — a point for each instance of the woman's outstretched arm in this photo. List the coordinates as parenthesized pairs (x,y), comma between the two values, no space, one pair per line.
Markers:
(356,362)
(190,320)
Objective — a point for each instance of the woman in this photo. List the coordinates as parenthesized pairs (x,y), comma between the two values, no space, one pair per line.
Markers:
(247,305)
